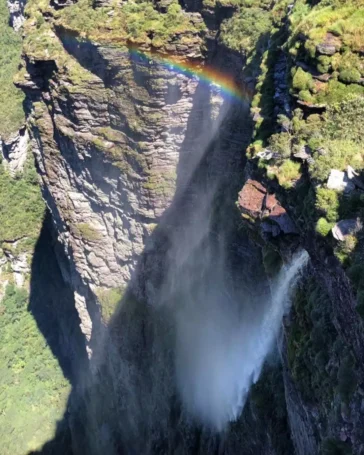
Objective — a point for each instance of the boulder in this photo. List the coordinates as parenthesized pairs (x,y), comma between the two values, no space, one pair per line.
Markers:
(251,198)
(346,227)
(340,181)
(354,177)
(267,155)
(278,215)
(330,45)
(255,202)
(304,154)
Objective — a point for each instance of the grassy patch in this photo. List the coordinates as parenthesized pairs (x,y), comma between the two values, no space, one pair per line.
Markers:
(33,391)
(88,232)
(11,99)
(161,183)
(21,205)
(136,22)
(109,299)
(287,173)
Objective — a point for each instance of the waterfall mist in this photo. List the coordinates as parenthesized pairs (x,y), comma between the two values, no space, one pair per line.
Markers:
(223,332)
(198,319)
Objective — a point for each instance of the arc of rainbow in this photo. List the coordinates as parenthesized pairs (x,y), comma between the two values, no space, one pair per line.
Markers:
(205,73)
(228,85)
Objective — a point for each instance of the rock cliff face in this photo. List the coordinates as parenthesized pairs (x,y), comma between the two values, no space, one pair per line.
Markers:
(14,151)
(107,151)
(108,130)
(16,9)
(120,139)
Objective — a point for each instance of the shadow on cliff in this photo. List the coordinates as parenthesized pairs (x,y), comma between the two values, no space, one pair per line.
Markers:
(52,305)
(127,403)
(131,404)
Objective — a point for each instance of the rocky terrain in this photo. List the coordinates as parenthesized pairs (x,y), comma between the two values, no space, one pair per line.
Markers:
(125,146)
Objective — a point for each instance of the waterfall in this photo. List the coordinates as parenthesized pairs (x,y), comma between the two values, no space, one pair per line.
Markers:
(222,345)
(198,320)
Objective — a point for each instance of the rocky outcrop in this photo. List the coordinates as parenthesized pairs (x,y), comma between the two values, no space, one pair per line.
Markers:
(16,9)
(108,134)
(264,210)
(330,45)
(14,265)
(14,151)
(118,136)
(344,228)
(340,181)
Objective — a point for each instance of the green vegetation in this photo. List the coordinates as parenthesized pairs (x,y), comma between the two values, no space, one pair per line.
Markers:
(21,205)
(323,227)
(33,391)
(281,143)
(324,42)
(11,99)
(327,202)
(109,299)
(162,184)
(345,20)
(312,345)
(287,173)
(136,21)
(247,30)
(301,80)
(88,232)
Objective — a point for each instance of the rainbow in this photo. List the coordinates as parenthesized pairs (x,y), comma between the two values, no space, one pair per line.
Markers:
(226,83)
(204,73)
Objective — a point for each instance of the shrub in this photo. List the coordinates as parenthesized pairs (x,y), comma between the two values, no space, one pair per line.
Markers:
(350,75)
(323,227)
(344,120)
(245,30)
(327,201)
(324,64)
(281,143)
(337,92)
(288,172)
(302,80)
(305,95)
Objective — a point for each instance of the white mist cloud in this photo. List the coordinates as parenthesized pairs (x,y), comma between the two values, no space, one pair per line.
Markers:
(222,343)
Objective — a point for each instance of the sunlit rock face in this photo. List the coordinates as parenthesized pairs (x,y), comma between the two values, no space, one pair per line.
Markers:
(117,137)
(107,146)
(14,151)
(141,167)
(16,9)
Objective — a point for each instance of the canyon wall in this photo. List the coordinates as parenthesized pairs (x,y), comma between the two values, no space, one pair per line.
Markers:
(124,140)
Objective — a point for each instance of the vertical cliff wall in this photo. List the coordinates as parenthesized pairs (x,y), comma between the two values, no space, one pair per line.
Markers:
(129,147)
